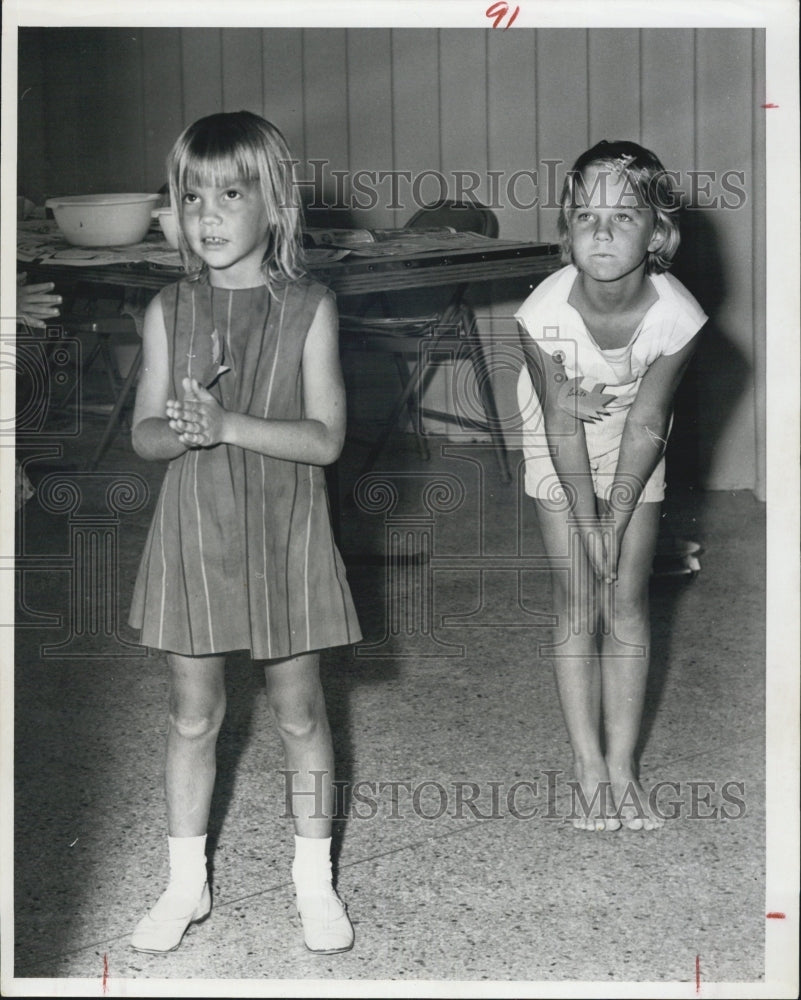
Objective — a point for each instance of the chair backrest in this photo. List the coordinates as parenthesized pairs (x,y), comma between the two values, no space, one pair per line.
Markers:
(463,216)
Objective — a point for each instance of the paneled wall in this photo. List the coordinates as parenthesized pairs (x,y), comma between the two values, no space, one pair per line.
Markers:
(99,108)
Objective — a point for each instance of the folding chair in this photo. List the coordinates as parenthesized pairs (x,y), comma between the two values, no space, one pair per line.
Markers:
(423,329)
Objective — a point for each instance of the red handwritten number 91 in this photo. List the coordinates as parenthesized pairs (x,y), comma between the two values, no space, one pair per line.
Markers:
(498,11)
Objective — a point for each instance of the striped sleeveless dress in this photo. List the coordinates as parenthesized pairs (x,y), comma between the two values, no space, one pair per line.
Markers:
(240,553)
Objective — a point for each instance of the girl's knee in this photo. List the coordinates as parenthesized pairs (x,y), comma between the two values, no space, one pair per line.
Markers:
(197,695)
(298,718)
(198,716)
(196,725)
(627,615)
(629,603)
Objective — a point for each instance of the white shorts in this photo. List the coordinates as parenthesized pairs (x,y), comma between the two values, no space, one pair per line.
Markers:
(603,447)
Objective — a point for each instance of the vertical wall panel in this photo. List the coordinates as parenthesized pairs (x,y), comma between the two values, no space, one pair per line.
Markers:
(668,95)
(613,84)
(201,65)
(723,143)
(668,128)
(241,70)
(415,109)
(163,105)
(512,152)
(68,59)
(282,93)
(120,112)
(512,132)
(32,170)
(463,102)
(562,112)
(325,105)
(99,131)
(370,118)
(463,145)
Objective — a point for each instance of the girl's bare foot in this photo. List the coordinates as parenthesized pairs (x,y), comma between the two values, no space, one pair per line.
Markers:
(631,802)
(593,807)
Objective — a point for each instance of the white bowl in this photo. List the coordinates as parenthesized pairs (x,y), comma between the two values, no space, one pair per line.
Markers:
(103,220)
(168,223)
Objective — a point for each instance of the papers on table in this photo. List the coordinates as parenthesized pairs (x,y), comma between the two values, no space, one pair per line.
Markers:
(41,241)
(398,242)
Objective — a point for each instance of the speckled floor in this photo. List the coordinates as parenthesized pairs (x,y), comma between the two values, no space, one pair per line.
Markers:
(452,849)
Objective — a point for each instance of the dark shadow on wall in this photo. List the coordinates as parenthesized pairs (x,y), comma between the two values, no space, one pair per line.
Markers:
(321,210)
(719,373)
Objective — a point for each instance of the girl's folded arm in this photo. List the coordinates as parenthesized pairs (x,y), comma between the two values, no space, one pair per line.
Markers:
(151,436)
(646,429)
(317,439)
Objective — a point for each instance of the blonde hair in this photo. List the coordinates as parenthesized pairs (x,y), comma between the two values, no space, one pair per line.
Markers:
(645,177)
(241,146)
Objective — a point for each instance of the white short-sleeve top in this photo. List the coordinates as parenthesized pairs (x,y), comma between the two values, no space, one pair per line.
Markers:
(558,328)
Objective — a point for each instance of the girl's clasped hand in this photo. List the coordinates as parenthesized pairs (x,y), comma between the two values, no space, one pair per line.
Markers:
(199,420)
(602,545)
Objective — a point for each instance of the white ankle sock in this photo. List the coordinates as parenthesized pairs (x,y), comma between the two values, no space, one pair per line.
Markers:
(311,867)
(187,862)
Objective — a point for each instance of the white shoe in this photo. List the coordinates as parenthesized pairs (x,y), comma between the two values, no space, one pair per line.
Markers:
(164,927)
(326,926)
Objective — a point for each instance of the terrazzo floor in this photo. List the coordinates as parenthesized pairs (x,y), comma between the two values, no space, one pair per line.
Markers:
(461,872)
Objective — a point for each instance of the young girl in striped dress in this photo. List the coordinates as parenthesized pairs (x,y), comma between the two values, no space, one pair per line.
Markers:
(241,393)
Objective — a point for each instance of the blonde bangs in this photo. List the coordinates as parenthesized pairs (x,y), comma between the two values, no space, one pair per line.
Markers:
(215,168)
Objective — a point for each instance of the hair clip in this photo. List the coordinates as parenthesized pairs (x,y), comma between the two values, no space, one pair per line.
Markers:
(624,161)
